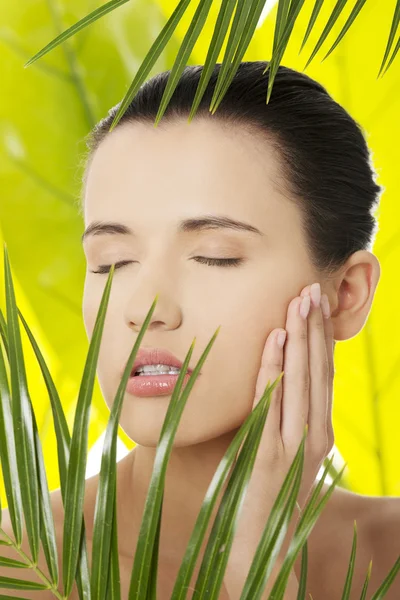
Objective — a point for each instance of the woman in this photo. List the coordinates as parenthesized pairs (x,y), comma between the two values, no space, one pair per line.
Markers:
(231,219)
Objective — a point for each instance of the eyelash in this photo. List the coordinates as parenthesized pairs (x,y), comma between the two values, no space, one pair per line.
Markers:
(216,262)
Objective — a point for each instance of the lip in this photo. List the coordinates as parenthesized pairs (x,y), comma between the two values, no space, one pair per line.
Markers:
(155,356)
(154,385)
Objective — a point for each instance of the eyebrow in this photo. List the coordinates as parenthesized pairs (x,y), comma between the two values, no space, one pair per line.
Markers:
(201,223)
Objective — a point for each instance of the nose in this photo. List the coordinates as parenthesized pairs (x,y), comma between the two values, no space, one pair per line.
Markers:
(167,314)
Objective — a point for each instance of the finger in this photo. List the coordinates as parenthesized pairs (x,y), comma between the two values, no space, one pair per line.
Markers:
(329,343)
(317,438)
(296,380)
(329,331)
(270,369)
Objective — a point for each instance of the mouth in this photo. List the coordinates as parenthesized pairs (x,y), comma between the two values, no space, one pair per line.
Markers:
(149,372)
(151,362)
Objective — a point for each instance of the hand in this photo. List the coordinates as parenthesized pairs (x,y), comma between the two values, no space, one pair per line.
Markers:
(304,395)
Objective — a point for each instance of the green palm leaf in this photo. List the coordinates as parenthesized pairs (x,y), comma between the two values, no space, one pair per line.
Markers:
(63,438)
(267,553)
(350,571)
(17,584)
(113,583)
(249,26)
(22,418)
(104,507)
(395,51)
(352,17)
(242,10)
(60,422)
(275,529)
(3,597)
(281,19)
(286,29)
(47,531)
(3,331)
(151,58)
(340,4)
(314,15)
(260,567)
(10,562)
(381,592)
(152,589)
(47,528)
(185,51)
(7,450)
(74,494)
(213,566)
(219,478)
(393,29)
(88,20)
(220,29)
(141,567)
(366,582)
(246,18)
(214,562)
(303,573)
(304,527)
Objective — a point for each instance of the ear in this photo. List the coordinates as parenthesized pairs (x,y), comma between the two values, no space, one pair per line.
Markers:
(351,294)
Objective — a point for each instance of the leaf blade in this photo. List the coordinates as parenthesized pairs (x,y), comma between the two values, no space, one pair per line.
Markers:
(22,418)
(392,33)
(8,455)
(350,570)
(185,50)
(212,494)
(104,507)
(150,59)
(141,567)
(221,27)
(18,584)
(75,488)
(78,26)
(63,438)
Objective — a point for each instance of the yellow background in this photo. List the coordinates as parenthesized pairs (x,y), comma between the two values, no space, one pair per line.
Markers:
(48,108)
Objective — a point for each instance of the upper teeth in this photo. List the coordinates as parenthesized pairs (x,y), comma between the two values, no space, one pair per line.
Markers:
(157,369)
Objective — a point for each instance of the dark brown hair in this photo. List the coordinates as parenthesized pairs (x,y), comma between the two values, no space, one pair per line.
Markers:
(325,161)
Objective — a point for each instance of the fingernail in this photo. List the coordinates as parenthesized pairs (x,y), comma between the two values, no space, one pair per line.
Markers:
(305,306)
(315,292)
(281,338)
(326,311)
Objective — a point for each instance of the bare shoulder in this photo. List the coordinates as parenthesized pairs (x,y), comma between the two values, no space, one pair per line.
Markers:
(383,523)
(378,539)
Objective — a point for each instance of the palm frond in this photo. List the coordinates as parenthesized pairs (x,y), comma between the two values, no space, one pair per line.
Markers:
(77,27)
(105,497)
(63,438)
(350,570)
(22,418)
(75,488)
(145,546)
(392,33)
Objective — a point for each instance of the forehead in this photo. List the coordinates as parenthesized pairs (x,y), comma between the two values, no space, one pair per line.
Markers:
(182,168)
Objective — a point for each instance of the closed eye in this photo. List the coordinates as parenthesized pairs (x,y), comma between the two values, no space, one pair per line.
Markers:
(216,262)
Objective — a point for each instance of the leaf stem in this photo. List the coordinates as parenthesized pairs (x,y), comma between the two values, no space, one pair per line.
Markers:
(34,567)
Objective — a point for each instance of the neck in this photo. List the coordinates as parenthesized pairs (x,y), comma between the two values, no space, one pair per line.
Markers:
(189,473)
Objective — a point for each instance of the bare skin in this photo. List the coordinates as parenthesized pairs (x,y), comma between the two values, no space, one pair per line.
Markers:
(149,180)
(329,544)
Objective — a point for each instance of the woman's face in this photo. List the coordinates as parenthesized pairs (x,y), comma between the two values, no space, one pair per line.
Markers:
(150,179)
